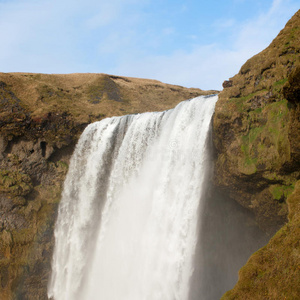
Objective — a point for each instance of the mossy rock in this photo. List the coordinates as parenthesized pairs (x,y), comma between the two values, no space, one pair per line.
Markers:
(15,183)
(273,271)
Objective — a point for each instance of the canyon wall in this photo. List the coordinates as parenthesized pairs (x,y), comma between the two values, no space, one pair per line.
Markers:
(257,139)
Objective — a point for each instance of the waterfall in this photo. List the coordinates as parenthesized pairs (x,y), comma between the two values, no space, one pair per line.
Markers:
(127,224)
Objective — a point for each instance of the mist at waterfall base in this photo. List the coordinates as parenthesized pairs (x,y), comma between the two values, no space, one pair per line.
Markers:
(139,219)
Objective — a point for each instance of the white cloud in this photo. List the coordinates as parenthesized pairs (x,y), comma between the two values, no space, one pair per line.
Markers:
(207,66)
(224,24)
(168,31)
(256,34)
(58,31)
(106,14)
(116,37)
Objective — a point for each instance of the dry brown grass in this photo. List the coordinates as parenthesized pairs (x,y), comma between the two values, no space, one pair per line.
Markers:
(76,94)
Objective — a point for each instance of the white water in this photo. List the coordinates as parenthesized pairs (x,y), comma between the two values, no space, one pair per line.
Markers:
(127,221)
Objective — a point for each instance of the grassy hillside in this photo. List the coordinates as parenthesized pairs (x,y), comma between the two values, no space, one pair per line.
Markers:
(92,96)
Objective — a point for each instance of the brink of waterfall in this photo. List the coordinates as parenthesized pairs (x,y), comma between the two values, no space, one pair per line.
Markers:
(129,222)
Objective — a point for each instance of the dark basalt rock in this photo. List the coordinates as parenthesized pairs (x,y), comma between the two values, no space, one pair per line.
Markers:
(227,84)
(291,90)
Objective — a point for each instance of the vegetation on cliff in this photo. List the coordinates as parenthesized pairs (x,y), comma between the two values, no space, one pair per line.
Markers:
(256,135)
(273,271)
(256,127)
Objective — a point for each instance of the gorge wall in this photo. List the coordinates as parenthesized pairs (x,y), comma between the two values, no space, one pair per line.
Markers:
(257,161)
(257,140)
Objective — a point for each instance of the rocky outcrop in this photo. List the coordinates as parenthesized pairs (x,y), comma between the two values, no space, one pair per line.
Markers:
(256,135)
(256,126)
(41,118)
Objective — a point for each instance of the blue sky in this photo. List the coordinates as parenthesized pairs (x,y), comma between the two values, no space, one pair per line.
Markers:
(192,43)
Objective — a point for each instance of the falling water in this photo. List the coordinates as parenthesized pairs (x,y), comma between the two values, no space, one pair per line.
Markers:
(127,221)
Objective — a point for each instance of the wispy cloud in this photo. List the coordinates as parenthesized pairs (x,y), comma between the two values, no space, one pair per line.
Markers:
(207,66)
(122,37)
(63,32)
(224,24)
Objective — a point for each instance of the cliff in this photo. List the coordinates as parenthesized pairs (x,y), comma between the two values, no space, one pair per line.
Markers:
(257,139)
(41,118)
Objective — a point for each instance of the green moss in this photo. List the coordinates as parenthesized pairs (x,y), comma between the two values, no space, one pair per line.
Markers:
(265,144)
(247,144)
(280,82)
(278,116)
(253,133)
(258,110)
(245,98)
(278,85)
(277,113)
(15,183)
(62,165)
(281,191)
(273,131)
(240,102)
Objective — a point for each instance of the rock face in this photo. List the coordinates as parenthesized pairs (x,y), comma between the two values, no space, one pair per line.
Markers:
(256,127)
(41,118)
(257,139)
